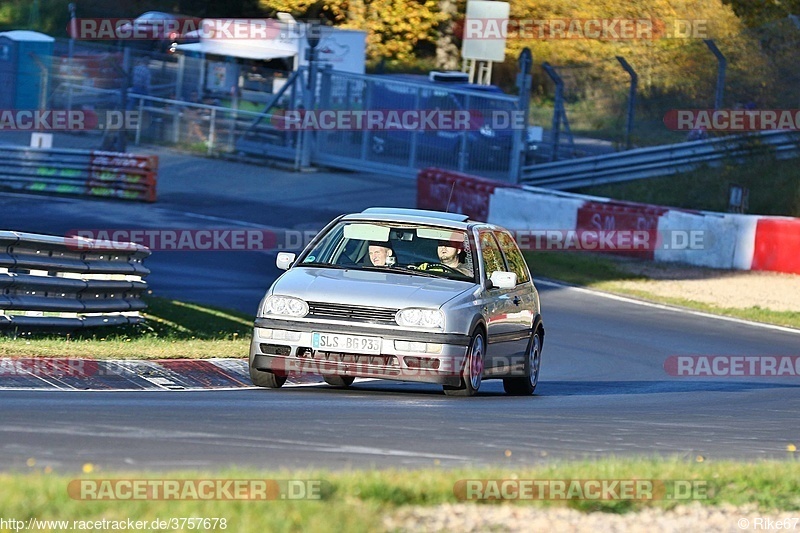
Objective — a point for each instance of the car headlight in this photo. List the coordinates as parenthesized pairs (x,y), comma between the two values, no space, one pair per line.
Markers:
(487,131)
(421,318)
(284,306)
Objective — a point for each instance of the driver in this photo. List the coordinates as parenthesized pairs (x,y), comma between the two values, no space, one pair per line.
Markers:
(451,254)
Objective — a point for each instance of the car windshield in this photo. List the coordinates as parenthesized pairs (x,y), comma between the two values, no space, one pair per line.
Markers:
(404,248)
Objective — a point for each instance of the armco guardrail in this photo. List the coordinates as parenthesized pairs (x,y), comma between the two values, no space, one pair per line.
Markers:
(79,172)
(48,281)
(562,220)
(658,160)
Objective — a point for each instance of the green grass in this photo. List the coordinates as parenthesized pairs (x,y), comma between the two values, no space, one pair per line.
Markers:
(358,500)
(603,273)
(774,187)
(173,330)
(588,119)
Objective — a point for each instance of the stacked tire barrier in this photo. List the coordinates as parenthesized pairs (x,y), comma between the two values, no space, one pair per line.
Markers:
(70,283)
(79,172)
(726,241)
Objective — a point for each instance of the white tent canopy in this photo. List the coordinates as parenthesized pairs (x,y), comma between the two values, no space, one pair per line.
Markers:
(259,39)
(237,49)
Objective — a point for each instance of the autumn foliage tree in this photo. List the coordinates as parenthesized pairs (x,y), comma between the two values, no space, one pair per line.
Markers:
(397,30)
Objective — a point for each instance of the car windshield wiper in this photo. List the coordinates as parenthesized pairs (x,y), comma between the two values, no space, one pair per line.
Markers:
(393,269)
(324,265)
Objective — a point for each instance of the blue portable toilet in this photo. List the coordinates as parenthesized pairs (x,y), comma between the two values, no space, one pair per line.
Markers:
(23,81)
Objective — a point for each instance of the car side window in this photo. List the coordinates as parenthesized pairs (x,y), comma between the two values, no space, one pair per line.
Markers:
(516,263)
(492,257)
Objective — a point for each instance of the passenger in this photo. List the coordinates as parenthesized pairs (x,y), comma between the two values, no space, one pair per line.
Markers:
(381,254)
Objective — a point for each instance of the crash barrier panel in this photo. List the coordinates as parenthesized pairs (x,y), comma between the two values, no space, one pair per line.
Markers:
(657,161)
(452,191)
(777,245)
(723,240)
(79,172)
(69,282)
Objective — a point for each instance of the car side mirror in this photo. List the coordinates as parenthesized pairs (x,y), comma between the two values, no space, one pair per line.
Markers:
(284,260)
(503,280)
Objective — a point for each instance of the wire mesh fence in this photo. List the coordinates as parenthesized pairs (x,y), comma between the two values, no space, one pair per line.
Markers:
(214,105)
(760,74)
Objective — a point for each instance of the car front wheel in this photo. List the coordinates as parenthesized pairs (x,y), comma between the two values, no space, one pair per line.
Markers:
(341,382)
(524,386)
(473,369)
(266,379)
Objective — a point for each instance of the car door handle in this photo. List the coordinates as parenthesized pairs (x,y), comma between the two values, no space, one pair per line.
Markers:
(516,300)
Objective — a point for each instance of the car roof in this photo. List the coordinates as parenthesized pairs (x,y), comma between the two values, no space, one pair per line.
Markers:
(417,216)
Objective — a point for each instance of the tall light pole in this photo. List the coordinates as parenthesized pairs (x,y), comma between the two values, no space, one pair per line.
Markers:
(73,30)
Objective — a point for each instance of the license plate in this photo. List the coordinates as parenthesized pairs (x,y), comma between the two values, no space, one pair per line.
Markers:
(334,342)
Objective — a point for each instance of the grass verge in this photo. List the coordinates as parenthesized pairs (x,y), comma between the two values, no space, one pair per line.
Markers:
(358,501)
(604,274)
(173,330)
(774,187)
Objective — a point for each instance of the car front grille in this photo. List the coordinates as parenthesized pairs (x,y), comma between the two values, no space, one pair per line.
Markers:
(335,357)
(359,313)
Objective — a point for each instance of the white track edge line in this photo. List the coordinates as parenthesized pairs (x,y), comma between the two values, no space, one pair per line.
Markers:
(665,307)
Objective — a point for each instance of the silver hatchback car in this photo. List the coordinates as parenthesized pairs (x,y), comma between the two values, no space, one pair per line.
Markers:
(403,294)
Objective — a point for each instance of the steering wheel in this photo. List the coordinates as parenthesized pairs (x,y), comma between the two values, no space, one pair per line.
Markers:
(433,266)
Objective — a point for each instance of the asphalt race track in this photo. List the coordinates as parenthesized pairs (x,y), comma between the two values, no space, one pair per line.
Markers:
(604,388)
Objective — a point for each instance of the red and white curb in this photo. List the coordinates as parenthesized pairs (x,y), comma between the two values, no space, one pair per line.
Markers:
(48,373)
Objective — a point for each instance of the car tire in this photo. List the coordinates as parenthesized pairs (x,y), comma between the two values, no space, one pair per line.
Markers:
(524,386)
(269,380)
(472,374)
(340,382)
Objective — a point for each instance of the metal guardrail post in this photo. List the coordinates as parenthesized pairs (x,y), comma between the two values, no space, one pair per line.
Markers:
(234,115)
(412,153)
(310,101)
(463,151)
(721,68)
(559,103)
(366,133)
(212,130)
(179,79)
(631,100)
(524,83)
(139,123)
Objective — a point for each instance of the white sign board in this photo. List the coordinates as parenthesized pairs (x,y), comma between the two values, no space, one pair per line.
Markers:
(485,29)
(343,49)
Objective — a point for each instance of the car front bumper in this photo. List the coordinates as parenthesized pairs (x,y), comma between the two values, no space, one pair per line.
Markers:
(285,346)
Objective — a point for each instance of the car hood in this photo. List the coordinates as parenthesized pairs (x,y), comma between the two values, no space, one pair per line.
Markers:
(367,288)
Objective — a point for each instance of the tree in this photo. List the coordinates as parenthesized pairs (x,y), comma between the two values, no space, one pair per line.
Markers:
(755,13)
(398,30)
